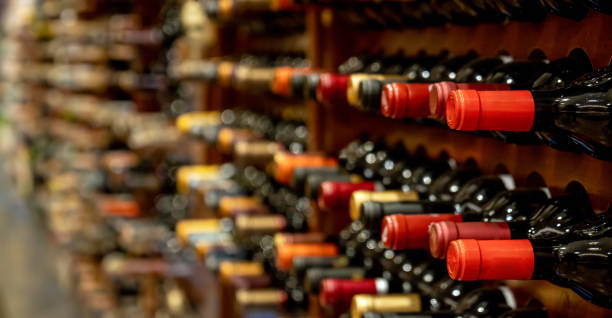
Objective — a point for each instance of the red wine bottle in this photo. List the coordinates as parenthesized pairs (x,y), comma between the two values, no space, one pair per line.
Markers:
(472,74)
(581,111)
(411,231)
(339,292)
(555,219)
(370,90)
(400,100)
(583,266)
(501,215)
(437,200)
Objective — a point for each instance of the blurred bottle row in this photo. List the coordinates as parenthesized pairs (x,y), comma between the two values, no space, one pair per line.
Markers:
(398,14)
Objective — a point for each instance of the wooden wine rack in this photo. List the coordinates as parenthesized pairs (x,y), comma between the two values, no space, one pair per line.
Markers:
(329,43)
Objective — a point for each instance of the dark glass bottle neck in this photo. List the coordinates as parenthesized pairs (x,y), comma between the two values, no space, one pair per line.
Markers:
(518,229)
(515,205)
(571,104)
(417,207)
(544,261)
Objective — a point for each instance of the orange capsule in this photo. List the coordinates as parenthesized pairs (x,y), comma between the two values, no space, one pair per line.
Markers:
(286,253)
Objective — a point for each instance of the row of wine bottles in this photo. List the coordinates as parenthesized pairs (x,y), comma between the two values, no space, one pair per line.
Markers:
(562,103)
(485,226)
(415,13)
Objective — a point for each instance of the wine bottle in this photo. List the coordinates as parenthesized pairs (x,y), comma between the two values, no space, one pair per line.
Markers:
(362,303)
(301,174)
(286,253)
(400,100)
(372,212)
(314,276)
(331,87)
(473,73)
(513,75)
(387,69)
(360,196)
(339,292)
(420,71)
(577,110)
(499,213)
(335,196)
(580,265)
(285,163)
(411,231)
(302,264)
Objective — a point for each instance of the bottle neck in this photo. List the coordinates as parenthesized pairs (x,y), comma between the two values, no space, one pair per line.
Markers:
(544,260)
(417,207)
(572,102)
(372,213)
(518,229)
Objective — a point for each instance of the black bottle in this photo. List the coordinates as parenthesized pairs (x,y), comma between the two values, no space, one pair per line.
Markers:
(411,231)
(582,266)
(505,217)
(581,111)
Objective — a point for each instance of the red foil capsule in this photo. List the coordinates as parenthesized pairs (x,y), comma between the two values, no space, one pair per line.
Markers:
(335,196)
(440,93)
(399,100)
(442,233)
(340,292)
(490,110)
(331,89)
(401,232)
(471,259)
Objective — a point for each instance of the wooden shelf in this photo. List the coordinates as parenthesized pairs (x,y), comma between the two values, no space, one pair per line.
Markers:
(332,128)
(555,36)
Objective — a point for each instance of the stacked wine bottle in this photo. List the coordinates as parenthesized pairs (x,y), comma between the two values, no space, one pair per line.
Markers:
(363,234)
